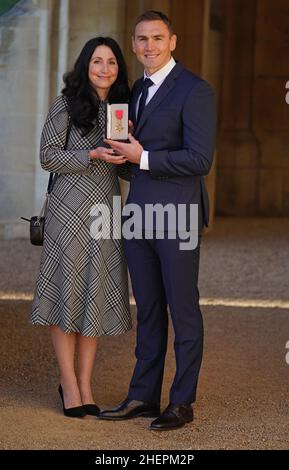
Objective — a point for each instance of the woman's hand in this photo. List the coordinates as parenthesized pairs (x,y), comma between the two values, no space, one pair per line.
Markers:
(107,155)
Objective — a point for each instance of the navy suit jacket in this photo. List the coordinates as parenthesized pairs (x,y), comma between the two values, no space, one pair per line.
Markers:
(177,128)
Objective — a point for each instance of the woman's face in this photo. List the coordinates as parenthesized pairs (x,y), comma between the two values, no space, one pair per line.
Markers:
(103,70)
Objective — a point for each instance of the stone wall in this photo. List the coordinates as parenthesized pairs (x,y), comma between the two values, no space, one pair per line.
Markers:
(24,80)
(253,163)
(199,28)
(270,118)
(33,59)
(240,46)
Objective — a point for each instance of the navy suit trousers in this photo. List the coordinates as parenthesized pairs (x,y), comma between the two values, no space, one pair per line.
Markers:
(163,276)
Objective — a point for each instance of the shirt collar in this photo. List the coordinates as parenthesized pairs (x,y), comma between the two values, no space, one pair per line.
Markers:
(161,74)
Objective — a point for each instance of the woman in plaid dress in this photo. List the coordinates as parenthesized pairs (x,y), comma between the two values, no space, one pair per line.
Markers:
(81,290)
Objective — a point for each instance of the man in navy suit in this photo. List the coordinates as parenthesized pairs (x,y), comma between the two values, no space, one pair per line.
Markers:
(173,114)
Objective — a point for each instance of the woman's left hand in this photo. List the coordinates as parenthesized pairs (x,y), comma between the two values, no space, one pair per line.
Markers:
(107,155)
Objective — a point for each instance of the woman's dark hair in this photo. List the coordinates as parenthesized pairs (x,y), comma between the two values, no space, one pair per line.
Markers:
(82,99)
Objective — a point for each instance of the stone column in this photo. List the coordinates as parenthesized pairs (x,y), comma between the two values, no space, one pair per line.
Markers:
(270,119)
(134,8)
(96,18)
(238,152)
(24,96)
(198,25)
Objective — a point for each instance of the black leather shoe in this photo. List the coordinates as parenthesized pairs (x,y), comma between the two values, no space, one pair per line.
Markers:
(174,416)
(129,409)
(91,409)
(75,412)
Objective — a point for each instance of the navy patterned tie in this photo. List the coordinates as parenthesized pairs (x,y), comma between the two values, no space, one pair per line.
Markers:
(142,102)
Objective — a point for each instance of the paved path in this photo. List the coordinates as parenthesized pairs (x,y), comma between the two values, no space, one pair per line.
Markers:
(243,400)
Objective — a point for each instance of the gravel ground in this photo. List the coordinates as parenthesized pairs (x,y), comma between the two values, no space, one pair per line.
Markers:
(242,399)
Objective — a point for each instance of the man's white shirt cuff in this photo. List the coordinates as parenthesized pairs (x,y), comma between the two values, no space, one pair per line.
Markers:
(144,160)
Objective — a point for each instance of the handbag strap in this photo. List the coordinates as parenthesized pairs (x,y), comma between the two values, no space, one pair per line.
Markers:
(53,176)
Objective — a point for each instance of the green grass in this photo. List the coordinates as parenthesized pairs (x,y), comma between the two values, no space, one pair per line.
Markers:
(5,5)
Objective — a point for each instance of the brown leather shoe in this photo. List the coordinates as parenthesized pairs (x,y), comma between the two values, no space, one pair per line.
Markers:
(129,409)
(174,416)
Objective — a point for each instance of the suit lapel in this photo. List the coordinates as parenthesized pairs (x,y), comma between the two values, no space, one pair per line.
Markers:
(159,96)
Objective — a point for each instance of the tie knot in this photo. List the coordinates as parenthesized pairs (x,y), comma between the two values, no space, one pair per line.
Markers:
(143,96)
(147,83)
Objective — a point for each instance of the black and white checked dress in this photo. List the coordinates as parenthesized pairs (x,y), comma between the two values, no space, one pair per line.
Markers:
(82,282)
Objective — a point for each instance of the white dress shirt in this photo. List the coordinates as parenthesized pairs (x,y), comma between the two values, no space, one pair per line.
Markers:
(157,78)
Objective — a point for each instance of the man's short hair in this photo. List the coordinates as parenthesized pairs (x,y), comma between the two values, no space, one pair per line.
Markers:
(153,15)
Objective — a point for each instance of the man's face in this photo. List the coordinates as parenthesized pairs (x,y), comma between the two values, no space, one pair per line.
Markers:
(153,43)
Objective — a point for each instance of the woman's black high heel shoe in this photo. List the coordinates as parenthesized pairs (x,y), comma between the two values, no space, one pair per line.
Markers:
(75,412)
(91,410)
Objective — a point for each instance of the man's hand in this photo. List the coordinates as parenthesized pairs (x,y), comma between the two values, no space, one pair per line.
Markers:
(132,151)
(107,155)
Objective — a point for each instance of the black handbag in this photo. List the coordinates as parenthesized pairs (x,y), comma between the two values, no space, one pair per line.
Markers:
(37,223)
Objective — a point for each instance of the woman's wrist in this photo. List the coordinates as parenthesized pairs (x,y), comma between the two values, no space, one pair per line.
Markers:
(91,159)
